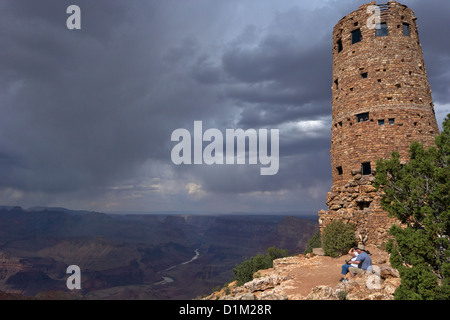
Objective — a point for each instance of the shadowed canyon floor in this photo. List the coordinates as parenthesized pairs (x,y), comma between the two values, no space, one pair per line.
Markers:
(135,256)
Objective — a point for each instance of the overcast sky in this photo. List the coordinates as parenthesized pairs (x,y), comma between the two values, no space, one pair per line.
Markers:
(86,116)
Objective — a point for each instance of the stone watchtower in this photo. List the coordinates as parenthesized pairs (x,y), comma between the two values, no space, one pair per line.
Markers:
(381,102)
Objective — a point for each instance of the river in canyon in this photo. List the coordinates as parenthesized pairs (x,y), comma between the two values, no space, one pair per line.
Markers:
(168,279)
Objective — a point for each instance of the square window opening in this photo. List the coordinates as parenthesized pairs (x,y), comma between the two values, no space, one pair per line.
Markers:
(381,122)
(356,36)
(381,30)
(339,45)
(391,120)
(366,169)
(362,117)
(339,170)
(406,29)
(364,75)
(363,204)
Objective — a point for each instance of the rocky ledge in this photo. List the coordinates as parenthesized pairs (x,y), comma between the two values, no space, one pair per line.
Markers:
(315,277)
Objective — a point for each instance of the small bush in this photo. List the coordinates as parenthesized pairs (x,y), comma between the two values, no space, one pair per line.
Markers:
(276,253)
(244,271)
(314,242)
(342,295)
(338,238)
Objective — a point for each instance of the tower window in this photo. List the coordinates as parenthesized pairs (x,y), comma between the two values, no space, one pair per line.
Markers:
(356,36)
(365,168)
(339,170)
(336,82)
(406,30)
(391,120)
(363,204)
(362,117)
(339,45)
(364,75)
(381,30)
(381,122)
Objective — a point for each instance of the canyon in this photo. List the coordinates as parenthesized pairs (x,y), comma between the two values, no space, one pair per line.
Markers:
(135,256)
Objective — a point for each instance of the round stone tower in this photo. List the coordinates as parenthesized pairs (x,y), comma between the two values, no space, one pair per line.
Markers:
(381,102)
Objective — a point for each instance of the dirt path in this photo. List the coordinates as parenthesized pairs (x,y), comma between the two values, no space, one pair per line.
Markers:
(305,272)
(295,278)
(319,271)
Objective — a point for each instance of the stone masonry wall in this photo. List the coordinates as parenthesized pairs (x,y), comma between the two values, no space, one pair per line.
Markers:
(357,202)
(381,102)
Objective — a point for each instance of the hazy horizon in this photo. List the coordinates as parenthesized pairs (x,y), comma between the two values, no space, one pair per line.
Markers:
(298,213)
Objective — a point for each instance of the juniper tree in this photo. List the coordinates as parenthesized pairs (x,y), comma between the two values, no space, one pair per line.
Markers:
(244,271)
(418,195)
(338,238)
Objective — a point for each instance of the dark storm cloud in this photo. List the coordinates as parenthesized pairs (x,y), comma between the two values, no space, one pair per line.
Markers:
(86,116)
(432,21)
(85,109)
(273,115)
(64,109)
(283,78)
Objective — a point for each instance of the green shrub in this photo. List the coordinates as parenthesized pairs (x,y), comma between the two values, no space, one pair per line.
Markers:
(338,238)
(314,242)
(276,253)
(418,195)
(244,271)
(342,295)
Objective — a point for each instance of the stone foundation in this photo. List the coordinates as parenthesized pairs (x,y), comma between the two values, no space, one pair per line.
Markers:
(358,202)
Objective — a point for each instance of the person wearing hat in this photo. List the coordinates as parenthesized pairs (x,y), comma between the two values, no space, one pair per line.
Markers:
(363,261)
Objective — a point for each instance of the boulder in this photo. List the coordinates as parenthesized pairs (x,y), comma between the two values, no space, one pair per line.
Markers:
(322,293)
(318,251)
(264,283)
(367,188)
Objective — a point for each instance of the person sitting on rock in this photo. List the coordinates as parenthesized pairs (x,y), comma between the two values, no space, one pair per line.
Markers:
(345,267)
(363,261)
